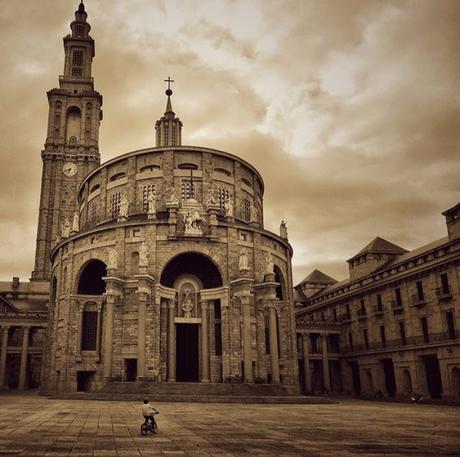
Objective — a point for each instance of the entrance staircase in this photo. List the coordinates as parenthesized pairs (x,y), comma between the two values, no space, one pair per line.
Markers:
(197,393)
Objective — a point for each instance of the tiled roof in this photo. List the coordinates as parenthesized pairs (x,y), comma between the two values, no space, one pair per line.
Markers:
(379,245)
(318,277)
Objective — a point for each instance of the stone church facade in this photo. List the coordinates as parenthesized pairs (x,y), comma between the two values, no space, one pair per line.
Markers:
(154,266)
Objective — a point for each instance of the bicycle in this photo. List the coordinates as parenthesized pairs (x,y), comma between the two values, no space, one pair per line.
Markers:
(150,425)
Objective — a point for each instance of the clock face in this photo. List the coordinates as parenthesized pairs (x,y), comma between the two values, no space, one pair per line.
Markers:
(69,169)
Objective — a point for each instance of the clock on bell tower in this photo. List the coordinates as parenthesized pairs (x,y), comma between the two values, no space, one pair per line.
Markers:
(71,149)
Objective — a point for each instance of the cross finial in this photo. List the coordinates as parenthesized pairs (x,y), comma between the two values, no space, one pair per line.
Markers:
(169,81)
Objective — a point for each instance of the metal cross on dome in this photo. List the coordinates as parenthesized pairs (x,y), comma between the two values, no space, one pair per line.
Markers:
(169,81)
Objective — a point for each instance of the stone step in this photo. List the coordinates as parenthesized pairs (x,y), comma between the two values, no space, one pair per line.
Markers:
(154,399)
(194,389)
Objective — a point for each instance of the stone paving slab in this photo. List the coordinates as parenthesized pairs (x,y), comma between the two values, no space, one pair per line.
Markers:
(33,426)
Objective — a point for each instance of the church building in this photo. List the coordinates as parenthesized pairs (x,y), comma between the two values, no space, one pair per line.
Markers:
(153,267)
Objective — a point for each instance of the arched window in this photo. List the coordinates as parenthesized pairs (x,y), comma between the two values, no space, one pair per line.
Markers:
(90,281)
(73,124)
(187,190)
(280,289)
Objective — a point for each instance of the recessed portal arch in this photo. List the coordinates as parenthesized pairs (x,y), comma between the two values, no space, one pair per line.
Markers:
(90,280)
(192,263)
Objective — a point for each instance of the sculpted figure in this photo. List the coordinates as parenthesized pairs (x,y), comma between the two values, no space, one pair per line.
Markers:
(244,261)
(228,208)
(196,217)
(143,261)
(270,265)
(65,231)
(112,263)
(76,222)
(188,221)
(151,203)
(173,199)
(124,207)
(283,230)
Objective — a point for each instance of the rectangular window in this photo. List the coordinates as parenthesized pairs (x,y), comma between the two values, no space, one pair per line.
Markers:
(420,294)
(379,302)
(77,71)
(267,336)
(402,333)
(383,338)
(77,58)
(450,325)
(350,341)
(348,314)
(334,312)
(322,316)
(398,296)
(89,331)
(223,196)
(366,338)
(362,307)
(115,206)
(445,284)
(424,324)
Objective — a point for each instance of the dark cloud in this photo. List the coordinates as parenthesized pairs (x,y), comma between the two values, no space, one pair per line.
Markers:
(348,109)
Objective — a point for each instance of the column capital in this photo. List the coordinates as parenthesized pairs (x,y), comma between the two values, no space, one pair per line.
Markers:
(204,304)
(170,303)
(305,335)
(5,326)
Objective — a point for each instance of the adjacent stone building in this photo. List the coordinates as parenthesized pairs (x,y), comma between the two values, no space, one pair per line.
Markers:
(392,328)
(154,266)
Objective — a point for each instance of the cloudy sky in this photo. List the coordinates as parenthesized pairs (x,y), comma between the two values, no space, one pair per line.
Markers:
(350,109)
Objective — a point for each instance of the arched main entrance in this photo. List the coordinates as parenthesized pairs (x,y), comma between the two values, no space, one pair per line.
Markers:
(190,315)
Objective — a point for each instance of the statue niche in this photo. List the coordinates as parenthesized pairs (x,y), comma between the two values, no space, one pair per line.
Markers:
(187,297)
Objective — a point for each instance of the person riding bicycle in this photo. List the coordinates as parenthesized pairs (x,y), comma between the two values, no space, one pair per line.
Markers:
(148,411)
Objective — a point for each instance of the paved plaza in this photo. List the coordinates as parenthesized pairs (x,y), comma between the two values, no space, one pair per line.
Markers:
(35,426)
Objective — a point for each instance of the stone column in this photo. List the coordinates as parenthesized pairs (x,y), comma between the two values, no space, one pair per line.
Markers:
(226,343)
(326,376)
(3,355)
(204,342)
(171,341)
(141,335)
(274,356)
(108,340)
(98,332)
(247,346)
(24,353)
(306,361)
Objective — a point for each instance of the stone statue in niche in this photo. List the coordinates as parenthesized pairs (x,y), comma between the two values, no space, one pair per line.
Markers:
(124,207)
(151,205)
(143,252)
(283,230)
(270,266)
(65,231)
(244,261)
(173,198)
(76,222)
(187,302)
(228,207)
(112,262)
(212,199)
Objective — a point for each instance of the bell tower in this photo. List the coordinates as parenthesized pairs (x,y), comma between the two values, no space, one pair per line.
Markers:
(72,143)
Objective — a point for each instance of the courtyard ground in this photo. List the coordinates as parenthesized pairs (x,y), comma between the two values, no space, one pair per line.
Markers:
(36,426)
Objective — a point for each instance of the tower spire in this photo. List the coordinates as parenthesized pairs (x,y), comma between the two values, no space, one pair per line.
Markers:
(169,127)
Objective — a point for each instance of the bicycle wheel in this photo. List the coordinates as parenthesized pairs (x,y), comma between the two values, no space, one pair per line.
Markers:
(155,427)
(144,429)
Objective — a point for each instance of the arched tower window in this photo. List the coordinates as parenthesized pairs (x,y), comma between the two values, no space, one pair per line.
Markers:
(77,63)
(280,289)
(73,124)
